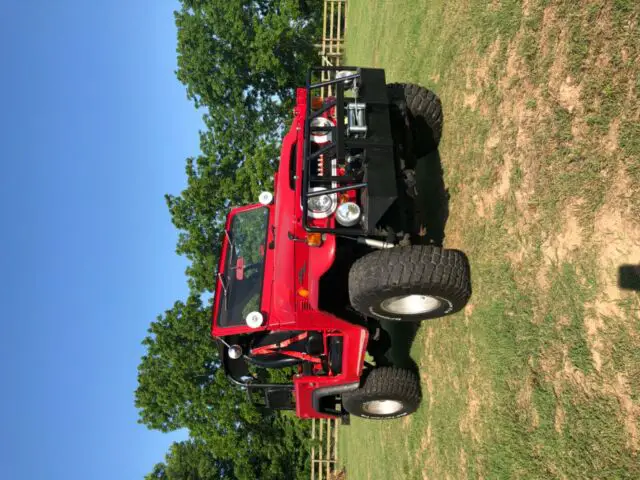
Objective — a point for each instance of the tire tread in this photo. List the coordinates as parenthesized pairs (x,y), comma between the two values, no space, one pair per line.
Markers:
(421,102)
(392,381)
(407,269)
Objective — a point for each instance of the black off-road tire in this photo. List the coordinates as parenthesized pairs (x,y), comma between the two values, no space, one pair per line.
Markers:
(384,383)
(425,113)
(379,280)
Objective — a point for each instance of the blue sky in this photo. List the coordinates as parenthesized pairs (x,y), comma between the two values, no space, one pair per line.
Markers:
(94,129)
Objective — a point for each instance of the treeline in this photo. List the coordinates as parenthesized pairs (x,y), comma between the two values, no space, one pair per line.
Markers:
(240,62)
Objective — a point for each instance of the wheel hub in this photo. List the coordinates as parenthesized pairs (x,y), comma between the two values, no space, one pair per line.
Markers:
(411,304)
(382,407)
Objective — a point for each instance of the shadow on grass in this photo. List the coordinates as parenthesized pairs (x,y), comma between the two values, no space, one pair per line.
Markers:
(432,202)
(430,212)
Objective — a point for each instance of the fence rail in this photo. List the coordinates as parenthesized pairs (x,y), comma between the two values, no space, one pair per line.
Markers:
(331,47)
(324,452)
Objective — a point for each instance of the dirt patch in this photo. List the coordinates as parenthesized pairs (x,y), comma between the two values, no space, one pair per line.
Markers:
(517,255)
(468,423)
(514,64)
(525,404)
(406,422)
(480,208)
(542,277)
(462,465)
(630,411)
(556,364)
(579,128)
(486,203)
(430,391)
(471,100)
(559,418)
(562,322)
(610,140)
(569,94)
(557,248)
(617,237)
(616,241)
(547,39)
(504,182)
(468,309)
(493,140)
(593,325)
(603,60)
(424,455)
(486,62)
(558,45)
(576,377)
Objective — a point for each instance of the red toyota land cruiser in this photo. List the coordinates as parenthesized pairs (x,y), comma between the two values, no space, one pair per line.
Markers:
(309,275)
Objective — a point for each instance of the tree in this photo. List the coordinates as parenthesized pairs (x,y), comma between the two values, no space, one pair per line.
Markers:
(191,460)
(245,53)
(180,385)
(229,172)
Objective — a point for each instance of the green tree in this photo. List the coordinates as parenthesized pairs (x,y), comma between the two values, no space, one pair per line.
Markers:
(191,460)
(180,385)
(245,53)
(226,174)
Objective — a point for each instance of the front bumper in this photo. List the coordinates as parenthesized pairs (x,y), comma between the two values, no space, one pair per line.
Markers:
(369,103)
(309,390)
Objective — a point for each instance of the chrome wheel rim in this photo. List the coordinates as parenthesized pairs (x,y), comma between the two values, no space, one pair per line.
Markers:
(411,304)
(382,407)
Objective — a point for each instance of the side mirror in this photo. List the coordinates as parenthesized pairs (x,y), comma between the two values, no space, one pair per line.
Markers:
(240,268)
(235,352)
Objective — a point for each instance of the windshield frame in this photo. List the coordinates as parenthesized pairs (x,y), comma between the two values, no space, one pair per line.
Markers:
(225,277)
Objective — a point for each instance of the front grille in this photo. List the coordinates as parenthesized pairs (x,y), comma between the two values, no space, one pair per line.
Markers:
(304,305)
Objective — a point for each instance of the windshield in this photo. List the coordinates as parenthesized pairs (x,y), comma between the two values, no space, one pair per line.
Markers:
(241,276)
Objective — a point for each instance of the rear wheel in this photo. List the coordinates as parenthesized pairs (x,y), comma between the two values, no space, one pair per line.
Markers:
(387,392)
(425,114)
(412,283)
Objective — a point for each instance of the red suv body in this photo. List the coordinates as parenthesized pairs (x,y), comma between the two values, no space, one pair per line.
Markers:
(279,259)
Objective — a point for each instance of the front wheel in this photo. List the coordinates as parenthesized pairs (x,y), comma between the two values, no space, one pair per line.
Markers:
(413,283)
(387,392)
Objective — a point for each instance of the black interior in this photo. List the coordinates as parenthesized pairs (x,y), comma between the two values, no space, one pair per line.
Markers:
(311,345)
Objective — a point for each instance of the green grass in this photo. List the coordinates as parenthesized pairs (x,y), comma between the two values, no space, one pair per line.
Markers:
(511,388)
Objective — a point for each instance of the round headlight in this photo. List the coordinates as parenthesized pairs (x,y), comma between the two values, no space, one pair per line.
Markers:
(348,214)
(321,206)
(265,198)
(254,319)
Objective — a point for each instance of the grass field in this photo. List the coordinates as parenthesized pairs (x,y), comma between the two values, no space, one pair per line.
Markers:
(540,377)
